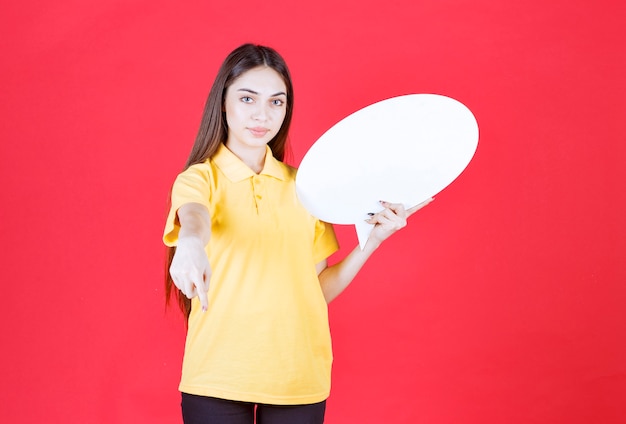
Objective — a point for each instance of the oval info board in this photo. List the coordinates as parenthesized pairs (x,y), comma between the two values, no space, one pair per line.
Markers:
(403,150)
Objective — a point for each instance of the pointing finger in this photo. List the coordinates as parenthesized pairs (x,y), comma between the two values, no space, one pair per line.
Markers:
(200,290)
(202,296)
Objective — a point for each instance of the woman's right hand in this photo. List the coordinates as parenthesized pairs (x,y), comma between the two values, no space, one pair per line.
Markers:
(190,269)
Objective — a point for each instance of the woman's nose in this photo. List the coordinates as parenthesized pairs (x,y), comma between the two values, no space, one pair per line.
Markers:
(260,113)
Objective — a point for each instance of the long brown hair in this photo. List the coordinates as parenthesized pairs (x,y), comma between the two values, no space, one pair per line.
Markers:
(214,130)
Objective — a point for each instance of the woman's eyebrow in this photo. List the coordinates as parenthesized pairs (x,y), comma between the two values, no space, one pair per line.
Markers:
(247,90)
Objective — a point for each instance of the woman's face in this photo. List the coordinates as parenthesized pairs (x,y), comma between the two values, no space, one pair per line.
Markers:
(255,105)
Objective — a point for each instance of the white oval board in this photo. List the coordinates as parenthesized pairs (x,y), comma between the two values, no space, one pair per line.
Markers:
(402,150)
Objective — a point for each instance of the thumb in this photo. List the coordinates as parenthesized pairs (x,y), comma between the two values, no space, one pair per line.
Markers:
(415,208)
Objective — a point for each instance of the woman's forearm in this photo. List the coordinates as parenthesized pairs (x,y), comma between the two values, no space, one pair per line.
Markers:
(194,222)
(336,278)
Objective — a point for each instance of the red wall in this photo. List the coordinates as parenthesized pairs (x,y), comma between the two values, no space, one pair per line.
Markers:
(502,302)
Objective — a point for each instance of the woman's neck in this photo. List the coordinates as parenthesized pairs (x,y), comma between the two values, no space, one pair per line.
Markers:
(253,157)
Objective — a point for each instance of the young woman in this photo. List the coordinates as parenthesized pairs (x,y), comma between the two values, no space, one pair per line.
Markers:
(248,262)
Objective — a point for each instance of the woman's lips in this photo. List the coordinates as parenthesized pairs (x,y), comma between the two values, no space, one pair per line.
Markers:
(258,131)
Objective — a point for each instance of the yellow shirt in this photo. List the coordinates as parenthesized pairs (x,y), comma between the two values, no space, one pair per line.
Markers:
(265,337)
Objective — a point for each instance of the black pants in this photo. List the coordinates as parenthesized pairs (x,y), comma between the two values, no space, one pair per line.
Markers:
(208,410)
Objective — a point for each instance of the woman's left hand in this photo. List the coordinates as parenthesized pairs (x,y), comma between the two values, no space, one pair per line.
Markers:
(390,220)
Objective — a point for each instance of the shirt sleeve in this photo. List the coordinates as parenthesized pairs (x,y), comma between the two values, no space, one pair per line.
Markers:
(325,243)
(191,186)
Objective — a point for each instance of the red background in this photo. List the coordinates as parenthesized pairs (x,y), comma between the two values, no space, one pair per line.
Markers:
(502,302)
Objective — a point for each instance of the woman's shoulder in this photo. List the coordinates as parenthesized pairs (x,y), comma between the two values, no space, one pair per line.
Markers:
(289,171)
(198,172)
(201,167)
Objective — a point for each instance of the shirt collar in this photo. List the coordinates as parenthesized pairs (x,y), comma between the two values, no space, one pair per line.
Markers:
(236,170)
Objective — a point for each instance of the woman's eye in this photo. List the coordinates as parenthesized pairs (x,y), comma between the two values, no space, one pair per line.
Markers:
(277,102)
(246,99)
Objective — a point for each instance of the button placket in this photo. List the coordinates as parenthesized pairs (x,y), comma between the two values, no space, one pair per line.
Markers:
(257,191)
